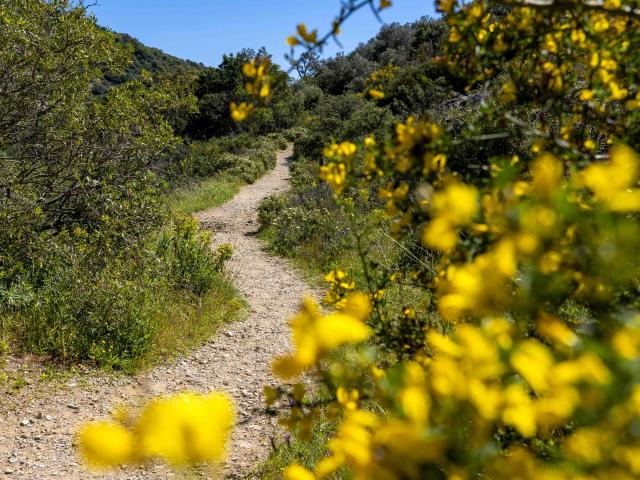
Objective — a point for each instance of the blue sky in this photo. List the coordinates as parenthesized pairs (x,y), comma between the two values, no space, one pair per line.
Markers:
(204,30)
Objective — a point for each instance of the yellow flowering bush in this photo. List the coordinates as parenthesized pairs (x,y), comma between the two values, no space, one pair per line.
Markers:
(527,361)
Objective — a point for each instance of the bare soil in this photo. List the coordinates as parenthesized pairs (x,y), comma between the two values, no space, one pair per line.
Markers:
(38,423)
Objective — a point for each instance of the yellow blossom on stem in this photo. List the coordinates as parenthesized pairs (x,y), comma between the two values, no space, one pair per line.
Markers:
(314,334)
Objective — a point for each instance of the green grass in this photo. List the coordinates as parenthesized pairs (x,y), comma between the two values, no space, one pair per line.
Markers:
(184,324)
(205,194)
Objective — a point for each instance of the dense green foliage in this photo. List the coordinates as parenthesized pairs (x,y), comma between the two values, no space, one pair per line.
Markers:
(402,61)
(97,258)
(216,88)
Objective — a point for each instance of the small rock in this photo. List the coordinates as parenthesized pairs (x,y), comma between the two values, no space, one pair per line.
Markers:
(25,422)
(73,406)
(8,471)
(48,418)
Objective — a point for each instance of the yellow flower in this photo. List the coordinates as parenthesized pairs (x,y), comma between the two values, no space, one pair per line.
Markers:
(241,112)
(338,329)
(416,404)
(586,95)
(585,444)
(509,92)
(297,472)
(270,395)
(249,69)
(265,91)
(314,334)
(292,41)
(458,203)
(444,344)
(518,410)
(556,406)
(106,444)
(547,172)
(590,144)
(533,361)
(453,207)
(446,6)
(487,400)
(187,429)
(308,37)
(348,399)
(335,174)
(612,183)
(377,94)
(440,234)
(626,342)
(477,287)
(556,330)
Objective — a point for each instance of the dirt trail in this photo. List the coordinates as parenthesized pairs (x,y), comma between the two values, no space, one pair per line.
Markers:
(36,438)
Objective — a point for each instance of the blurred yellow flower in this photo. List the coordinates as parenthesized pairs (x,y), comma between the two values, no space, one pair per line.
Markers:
(187,429)
(106,444)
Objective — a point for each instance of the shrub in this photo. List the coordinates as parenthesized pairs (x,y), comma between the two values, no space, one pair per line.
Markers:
(269,210)
(75,308)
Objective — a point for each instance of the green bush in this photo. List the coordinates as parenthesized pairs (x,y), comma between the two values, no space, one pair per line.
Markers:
(109,311)
(269,210)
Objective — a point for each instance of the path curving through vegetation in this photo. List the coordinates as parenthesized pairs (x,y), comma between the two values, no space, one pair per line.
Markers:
(37,429)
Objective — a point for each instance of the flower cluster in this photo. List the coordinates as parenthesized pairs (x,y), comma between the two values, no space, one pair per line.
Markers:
(186,429)
(315,334)
(339,287)
(258,86)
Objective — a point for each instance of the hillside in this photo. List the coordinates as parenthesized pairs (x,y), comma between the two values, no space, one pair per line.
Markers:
(149,59)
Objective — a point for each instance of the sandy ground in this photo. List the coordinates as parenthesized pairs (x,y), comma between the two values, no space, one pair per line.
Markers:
(37,428)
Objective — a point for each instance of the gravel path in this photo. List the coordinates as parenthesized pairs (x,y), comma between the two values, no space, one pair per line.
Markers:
(37,427)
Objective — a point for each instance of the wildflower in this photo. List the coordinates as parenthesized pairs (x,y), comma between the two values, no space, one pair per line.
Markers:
(292,41)
(106,444)
(612,183)
(314,334)
(445,6)
(547,172)
(452,208)
(533,361)
(334,174)
(347,398)
(556,331)
(509,91)
(477,287)
(187,429)
(308,37)
(241,112)
(518,410)
(376,94)
(298,472)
